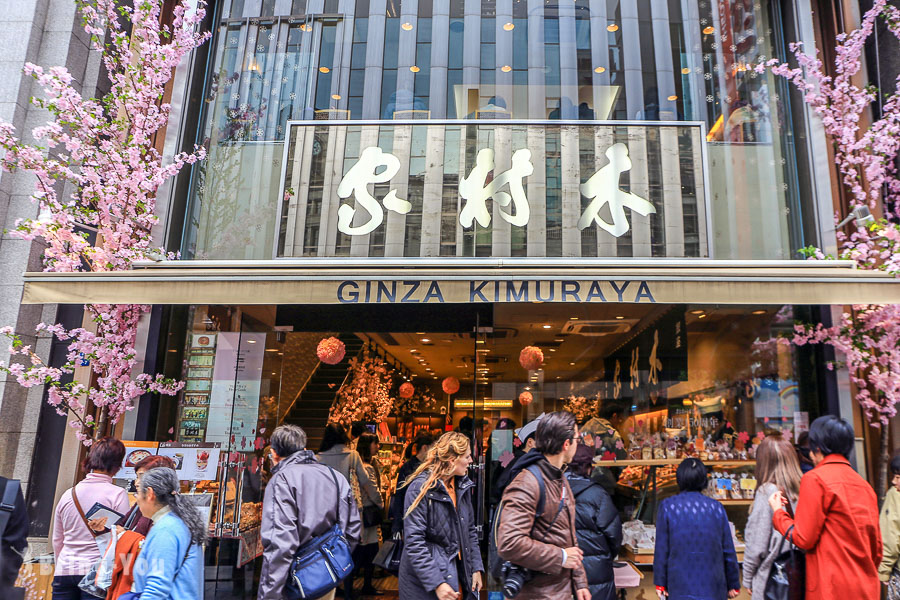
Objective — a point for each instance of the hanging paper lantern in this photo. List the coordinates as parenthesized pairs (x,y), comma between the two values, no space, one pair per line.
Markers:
(331,351)
(531,358)
(525,398)
(450,385)
(407,390)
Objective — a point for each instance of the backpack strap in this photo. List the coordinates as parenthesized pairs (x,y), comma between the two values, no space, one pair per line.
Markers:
(8,504)
(536,472)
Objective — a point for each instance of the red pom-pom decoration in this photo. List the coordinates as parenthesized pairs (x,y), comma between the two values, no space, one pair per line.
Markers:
(407,390)
(331,351)
(531,358)
(525,398)
(450,385)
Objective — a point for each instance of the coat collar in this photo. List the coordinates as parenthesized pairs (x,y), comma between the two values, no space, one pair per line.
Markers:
(439,491)
(300,457)
(834,459)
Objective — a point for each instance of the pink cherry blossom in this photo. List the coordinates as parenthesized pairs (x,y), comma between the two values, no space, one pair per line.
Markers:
(104,152)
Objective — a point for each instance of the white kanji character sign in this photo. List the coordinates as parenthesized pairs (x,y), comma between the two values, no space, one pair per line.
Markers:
(603,188)
(356,182)
(474,191)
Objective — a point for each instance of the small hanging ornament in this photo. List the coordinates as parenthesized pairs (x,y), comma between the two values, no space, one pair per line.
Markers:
(531,358)
(450,385)
(525,398)
(331,351)
(407,390)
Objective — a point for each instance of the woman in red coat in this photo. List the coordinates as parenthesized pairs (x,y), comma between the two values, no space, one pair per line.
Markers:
(836,521)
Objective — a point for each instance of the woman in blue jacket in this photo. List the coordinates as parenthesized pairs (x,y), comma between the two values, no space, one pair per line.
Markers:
(170,564)
(694,557)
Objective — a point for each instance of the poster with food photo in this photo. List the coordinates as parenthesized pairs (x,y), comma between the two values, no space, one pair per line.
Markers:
(193,461)
(135,452)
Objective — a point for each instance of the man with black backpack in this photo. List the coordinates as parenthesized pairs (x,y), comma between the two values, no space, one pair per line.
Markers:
(534,528)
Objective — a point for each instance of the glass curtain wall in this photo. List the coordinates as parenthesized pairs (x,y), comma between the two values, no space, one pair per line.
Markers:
(275,61)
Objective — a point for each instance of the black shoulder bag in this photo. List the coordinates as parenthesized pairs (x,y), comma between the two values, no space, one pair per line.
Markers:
(787,579)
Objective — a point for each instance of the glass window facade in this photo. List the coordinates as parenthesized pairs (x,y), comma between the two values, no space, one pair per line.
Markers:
(606,61)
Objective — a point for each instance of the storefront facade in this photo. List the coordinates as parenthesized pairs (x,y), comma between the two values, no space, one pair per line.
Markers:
(442,184)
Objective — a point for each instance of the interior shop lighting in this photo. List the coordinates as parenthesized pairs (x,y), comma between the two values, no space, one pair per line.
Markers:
(572,364)
(546,326)
(573,318)
(672,98)
(599,69)
(414,69)
(612,27)
(758,312)
(324,70)
(686,71)
(506,68)
(335,96)
(619,317)
(508,26)
(709,30)
(251,341)
(703,316)
(407,26)
(425,340)
(696,312)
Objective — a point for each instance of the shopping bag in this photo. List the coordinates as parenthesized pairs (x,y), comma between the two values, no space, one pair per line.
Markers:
(99,577)
(388,557)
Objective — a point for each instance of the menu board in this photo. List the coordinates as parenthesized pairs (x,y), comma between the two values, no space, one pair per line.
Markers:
(135,452)
(194,405)
(234,399)
(193,461)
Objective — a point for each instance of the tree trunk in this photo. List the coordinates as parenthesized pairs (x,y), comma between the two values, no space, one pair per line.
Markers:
(102,422)
(885,459)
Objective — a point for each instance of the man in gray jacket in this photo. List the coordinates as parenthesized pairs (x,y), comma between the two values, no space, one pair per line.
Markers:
(299,504)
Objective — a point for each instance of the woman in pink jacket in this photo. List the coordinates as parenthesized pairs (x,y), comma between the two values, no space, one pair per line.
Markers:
(73,540)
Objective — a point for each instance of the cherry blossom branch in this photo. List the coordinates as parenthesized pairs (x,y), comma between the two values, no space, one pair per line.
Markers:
(103,149)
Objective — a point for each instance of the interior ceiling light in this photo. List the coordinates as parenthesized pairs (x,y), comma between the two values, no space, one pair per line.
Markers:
(696,312)
(335,96)
(324,70)
(251,341)
(685,70)
(506,68)
(672,98)
(619,317)
(546,327)
(599,69)
(612,27)
(701,316)
(508,26)
(414,69)
(552,349)
(407,26)
(572,364)
(426,340)
(709,30)
(573,318)
(758,312)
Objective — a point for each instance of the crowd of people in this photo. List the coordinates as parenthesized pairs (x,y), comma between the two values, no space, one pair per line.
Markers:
(555,531)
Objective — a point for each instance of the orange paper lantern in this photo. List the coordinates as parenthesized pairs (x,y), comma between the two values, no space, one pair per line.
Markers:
(331,351)
(525,398)
(531,358)
(407,390)
(450,385)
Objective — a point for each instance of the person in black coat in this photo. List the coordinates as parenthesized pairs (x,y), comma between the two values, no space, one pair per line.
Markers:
(597,526)
(13,538)
(418,450)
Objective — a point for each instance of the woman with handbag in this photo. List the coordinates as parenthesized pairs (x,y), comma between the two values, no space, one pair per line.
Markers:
(74,539)
(889,571)
(777,468)
(372,514)
(836,519)
(170,563)
(441,557)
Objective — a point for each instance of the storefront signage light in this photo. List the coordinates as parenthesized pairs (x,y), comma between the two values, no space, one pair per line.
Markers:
(439,292)
(377,166)
(487,404)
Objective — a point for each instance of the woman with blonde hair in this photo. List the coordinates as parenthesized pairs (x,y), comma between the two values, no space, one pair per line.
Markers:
(441,557)
(777,468)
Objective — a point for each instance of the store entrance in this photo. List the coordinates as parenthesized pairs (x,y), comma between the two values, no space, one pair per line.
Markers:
(645,381)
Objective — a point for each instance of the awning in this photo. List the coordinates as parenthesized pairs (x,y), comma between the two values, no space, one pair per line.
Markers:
(454,280)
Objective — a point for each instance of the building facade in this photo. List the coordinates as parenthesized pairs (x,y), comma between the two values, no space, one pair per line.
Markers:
(440,185)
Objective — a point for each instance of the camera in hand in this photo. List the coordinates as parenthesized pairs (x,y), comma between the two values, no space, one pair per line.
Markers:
(514,578)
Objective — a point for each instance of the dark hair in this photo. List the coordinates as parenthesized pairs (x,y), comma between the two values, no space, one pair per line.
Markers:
(164,483)
(357,429)
(553,431)
(831,435)
(154,462)
(287,439)
(423,438)
(505,423)
(895,465)
(364,446)
(334,435)
(106,454)
(467,425)
(608,408)
(583,461)
(691,475)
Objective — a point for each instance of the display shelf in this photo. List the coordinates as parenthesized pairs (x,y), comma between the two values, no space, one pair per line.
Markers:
(660,462)
(735,502)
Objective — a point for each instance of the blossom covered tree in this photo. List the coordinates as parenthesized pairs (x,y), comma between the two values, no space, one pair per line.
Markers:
(367,394)
(103,151)
(866,157)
